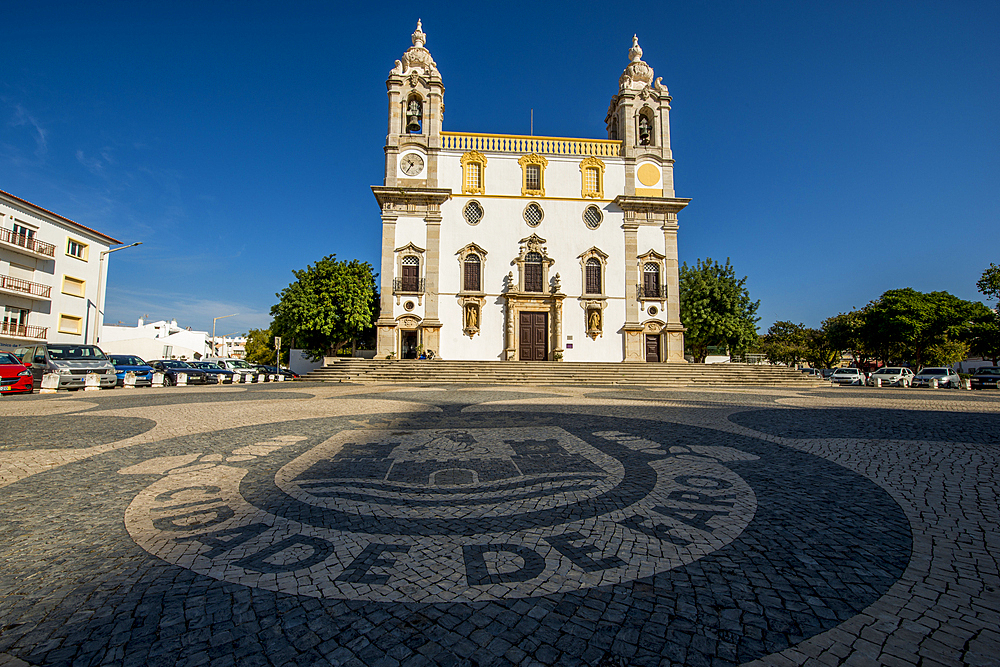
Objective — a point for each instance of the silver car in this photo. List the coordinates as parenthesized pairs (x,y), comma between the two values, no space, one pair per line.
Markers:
(848,376)
(891,377)
(945,377)
(71,362)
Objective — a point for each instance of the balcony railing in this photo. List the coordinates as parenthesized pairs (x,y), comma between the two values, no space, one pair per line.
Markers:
(407,286)
(26,286)
(652,291)
(22,330)
(522,145)
(27,242)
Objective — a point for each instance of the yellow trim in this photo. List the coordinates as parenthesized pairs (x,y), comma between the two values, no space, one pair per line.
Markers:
(649,192)
(519,143)
(523,197)
(592,162)
(86,249)
(648,174)
(70,319)
(541,163)
(82,284)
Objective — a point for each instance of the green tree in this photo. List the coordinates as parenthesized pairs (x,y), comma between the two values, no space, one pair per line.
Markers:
(844,333)
(820,353)
(329,305)
(989,284)
(785,343)
(986,328)
(260,347)
(716,309)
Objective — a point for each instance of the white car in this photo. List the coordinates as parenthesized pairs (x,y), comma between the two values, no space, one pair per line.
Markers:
(848,376)
(891,377)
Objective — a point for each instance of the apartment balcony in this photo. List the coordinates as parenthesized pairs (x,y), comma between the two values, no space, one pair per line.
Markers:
(26,245)
(22,331)
(21,287)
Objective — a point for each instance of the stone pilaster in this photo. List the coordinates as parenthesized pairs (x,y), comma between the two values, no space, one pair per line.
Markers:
(386,325)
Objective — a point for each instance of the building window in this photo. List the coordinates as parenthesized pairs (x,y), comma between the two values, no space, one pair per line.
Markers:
(70,324)
(651,281)
(23,233)
(473,212)
(472,276)
(473,173)
(76,249)
(414,115)
(593,216)
(532,272)
(593,279)
(533,214)
(74,286)
(410,274)
(533,175)
(592,177)
(645,134)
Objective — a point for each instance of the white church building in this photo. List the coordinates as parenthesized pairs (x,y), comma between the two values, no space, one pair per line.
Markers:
(506,247)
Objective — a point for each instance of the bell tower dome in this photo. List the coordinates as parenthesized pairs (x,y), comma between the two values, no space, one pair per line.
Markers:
(416,109)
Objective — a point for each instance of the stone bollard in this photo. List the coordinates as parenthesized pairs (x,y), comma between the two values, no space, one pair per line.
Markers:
(158,379)
(260,377)
(92,382)
(279,378)
(270,378)
(50,382)
(878,382)
(220,378)
(934,383)
(182,379)
(967,383)
(129,382)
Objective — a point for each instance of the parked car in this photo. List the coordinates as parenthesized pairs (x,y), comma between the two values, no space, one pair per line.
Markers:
(848,376)
(72,362)
(946,377)
(15,377)
(273,370)
(986,377)
(214,371)
(891,376)
(126,362)
(171,367)
(826,373)
(235,365)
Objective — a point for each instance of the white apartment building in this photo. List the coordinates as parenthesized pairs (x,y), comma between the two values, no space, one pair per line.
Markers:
(51,276)
(156,340)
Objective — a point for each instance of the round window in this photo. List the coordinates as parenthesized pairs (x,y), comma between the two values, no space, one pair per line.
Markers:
(409,305)
(533,214)
(652,311)
(473,212)
(593,216)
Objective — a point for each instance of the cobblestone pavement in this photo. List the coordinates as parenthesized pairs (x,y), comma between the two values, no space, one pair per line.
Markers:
(378,526)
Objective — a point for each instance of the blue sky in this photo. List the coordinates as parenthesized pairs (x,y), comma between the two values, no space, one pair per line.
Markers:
(832,150)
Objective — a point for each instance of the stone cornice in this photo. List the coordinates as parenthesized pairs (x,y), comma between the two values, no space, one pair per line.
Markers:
(650,204)
(410,199)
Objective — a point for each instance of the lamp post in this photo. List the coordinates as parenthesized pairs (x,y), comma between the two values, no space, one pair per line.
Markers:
(100,281)
(214,320)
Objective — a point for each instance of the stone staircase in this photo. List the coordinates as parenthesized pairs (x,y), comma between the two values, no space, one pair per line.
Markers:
(546,373)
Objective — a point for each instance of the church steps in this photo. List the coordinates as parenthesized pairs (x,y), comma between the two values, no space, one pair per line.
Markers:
(556,373)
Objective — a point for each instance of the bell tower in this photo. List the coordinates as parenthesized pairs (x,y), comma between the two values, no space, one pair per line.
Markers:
(416,108)
(639,117)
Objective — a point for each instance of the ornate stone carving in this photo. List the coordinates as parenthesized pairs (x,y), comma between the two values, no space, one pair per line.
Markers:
(637,74)
(593,310)
(408,321)
(416,58)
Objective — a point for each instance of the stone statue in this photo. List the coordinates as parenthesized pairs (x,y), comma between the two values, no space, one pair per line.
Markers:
(595,320)
(471,318)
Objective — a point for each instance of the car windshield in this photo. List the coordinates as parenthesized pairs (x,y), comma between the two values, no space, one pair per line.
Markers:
(886,371)
(988,371)
(175,364)
(209,365)
(8,358)
(75,353)
(934,371)
(236,363)
(846,371)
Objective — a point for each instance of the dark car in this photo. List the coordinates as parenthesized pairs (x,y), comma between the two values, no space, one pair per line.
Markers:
(125,363)
(272,370)
(172,367)
(986,377)
(15,377)
(213,371)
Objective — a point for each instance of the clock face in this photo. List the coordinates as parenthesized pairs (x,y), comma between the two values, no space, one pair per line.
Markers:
(411,164)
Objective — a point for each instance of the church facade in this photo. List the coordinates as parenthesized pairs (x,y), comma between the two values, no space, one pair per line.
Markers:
(505,247)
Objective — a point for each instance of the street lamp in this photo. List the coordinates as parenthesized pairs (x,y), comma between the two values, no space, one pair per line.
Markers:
(100,281)
(214,320)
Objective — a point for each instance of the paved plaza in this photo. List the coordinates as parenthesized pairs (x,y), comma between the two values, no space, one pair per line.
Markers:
(326,524)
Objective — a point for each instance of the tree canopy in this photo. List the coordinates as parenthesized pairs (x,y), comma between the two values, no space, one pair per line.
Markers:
(716,309)
(330,304)
(260,347)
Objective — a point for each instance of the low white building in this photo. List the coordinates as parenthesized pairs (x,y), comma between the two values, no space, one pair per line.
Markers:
(231,347)
(156,340)
(51,276)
